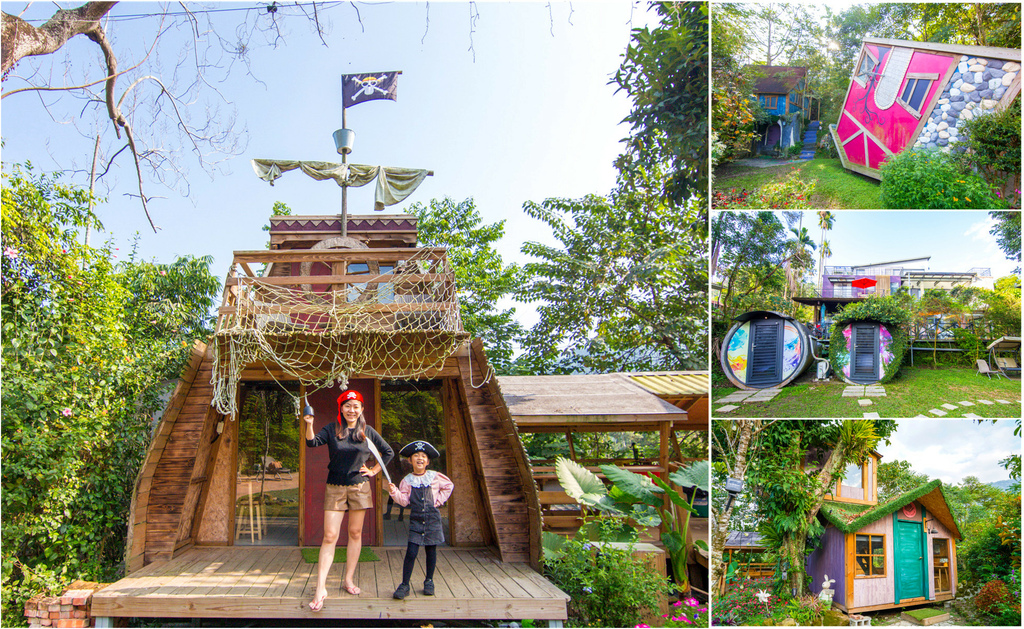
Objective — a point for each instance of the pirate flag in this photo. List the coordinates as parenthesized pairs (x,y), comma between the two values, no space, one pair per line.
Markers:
(359,88)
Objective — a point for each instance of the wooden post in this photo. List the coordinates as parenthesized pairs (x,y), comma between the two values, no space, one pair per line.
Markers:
(344,189)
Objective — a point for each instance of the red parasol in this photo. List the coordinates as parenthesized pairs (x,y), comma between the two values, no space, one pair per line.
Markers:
(864,282)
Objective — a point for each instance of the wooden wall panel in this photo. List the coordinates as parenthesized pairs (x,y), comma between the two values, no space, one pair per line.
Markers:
(877,590)
(213,525)
(467,520)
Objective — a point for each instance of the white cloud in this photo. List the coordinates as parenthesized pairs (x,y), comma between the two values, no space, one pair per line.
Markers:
(952,449)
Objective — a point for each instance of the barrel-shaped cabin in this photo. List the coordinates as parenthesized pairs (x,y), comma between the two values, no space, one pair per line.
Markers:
(229,495)
(865,353)
(765,349)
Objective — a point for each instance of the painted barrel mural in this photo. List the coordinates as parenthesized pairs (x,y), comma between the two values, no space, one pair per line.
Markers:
(765,349)
(868,358)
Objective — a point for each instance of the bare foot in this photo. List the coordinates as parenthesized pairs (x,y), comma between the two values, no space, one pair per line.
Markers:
(353,589)
(318,601)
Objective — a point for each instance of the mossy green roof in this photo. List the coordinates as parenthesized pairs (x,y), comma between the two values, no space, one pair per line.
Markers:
(850,518)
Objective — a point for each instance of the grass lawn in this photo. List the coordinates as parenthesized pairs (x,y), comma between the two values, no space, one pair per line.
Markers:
(835,187)
(915,391)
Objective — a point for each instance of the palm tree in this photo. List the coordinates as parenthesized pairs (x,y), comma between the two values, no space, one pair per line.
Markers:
(799,258)
(826,220)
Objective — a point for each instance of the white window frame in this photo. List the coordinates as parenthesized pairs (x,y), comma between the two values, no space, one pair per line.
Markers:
(916,76)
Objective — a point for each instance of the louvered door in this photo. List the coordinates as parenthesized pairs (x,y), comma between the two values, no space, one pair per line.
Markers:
(864,353)
(764,360)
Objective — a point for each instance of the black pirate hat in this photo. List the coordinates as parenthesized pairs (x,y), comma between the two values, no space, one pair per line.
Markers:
(420,446)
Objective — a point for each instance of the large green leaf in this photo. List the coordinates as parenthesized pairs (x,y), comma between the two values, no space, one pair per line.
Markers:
(581,484)
(552,545)
(695,475)
(645,515)
(636,485)
(673,494)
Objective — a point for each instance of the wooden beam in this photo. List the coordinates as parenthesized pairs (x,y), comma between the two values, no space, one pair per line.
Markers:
(1012,54)
(295,280)
(390,254)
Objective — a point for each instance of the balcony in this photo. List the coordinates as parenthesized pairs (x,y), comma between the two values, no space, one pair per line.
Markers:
(328,314)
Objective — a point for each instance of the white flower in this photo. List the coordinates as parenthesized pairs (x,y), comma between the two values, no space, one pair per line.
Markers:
(762,596)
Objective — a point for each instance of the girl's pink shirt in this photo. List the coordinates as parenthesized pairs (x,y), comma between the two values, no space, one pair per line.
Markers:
(441,486)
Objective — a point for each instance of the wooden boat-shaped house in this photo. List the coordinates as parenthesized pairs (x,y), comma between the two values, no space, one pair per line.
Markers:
(906,94)
(883,556)
(216,531)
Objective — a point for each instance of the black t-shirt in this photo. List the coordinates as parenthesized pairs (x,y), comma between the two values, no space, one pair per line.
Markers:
(349,454)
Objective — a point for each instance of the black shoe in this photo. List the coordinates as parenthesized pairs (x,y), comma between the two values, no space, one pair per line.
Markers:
(428,587)
(402,591)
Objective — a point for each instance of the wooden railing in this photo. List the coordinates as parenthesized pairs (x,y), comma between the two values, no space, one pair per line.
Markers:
(382,289)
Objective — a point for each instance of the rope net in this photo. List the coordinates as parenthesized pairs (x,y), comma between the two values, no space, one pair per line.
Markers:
(401,322)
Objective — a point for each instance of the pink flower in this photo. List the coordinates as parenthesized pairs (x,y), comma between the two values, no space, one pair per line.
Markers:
(66,412)
(692,602)
(643,626)
(677,604)
(163,272)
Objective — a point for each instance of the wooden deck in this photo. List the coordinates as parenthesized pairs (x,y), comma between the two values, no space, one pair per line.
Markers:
(275,582)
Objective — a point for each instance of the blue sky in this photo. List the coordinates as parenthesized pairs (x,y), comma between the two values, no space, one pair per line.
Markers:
(950,449)
(955,240)
(532,116)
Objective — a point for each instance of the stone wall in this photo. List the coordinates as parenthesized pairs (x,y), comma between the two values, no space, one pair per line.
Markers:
(975,89)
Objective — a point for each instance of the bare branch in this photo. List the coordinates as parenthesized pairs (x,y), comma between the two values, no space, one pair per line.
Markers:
(474,15)
(426,26)
(319,29)
(358,16)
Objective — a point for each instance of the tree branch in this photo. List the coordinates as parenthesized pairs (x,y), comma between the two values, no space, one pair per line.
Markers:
(20,39)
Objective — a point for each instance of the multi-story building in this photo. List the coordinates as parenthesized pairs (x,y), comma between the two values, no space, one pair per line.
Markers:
(840,285)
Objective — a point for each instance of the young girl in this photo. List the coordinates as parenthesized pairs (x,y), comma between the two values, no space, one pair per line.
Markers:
(423,491)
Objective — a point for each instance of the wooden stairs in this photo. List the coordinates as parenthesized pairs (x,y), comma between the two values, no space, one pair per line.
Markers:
(170,482)
(509,492)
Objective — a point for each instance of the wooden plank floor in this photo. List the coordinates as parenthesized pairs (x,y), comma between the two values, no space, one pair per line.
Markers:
(275,582)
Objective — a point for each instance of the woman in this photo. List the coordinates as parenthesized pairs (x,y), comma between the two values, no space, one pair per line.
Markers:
(348,485)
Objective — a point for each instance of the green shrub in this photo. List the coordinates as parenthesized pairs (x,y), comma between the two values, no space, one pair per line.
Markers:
(740,606)
(992,144)
(928,179)
(972,346)
(791,193)
(991,594)
(609,587)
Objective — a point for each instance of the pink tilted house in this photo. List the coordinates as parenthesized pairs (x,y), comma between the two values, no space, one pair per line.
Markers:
(906,94)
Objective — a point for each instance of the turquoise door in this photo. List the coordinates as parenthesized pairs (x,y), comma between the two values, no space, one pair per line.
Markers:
(910,561)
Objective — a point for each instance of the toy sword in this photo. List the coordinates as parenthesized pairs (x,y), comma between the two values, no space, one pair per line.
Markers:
(376,455)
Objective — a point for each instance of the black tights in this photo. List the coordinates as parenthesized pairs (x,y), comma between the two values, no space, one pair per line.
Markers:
(410,560)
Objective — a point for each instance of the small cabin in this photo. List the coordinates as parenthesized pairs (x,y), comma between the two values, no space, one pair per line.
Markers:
(229,495)
(765,349)
(868,358)
(883,556)
(907,94)
(782,91)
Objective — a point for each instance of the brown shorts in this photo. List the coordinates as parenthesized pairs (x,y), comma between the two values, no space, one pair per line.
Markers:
(345,497)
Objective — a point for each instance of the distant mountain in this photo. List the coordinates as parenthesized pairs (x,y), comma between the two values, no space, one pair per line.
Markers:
(1005,485)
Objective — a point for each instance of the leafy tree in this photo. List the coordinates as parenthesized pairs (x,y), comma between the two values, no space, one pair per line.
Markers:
(88,345)
(665,73)
(1007,233)
(625,290)
(790,492)
(895,478)
(748,251)
(481,275)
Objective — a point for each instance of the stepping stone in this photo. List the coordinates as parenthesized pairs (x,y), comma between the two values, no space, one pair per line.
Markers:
(972,416)
(865,402)
(936,411)
(966,403)
(950,407)
(987,402)
(726,409)
(1002,401)
(871,416)
(736,396)
(874,392)
(853,391)
(920,417)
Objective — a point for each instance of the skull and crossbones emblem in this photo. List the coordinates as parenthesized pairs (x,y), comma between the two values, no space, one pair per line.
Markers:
(369,86)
